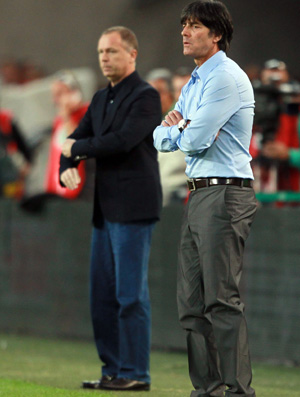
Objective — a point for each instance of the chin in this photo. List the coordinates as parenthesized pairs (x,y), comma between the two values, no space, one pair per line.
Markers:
(186,50)
(187,53)
(108,76)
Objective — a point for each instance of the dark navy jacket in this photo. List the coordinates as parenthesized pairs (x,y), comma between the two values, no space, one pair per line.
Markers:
(127,186)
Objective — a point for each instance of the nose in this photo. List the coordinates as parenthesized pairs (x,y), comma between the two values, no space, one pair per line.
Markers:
(103,57)
(185,31)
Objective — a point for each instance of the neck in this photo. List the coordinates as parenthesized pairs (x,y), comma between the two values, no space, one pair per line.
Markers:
(201,61)
(118,80)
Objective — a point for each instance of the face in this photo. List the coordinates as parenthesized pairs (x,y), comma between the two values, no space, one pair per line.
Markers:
(198,41)
(59,92)
(65,97)
(274,76)
(116,59)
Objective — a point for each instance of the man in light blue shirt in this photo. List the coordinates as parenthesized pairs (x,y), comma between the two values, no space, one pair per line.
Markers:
(212,125)
(218,98)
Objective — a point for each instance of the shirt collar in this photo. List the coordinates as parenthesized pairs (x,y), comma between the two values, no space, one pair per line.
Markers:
(115,89)
(203,71)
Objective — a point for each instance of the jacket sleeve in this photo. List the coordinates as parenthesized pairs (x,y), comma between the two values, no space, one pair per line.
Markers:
(143,114)
(83,131)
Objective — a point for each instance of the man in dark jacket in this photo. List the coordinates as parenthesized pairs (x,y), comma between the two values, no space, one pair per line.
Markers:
(117,132)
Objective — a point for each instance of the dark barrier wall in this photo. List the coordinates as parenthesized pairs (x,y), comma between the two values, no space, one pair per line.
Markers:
(44,276)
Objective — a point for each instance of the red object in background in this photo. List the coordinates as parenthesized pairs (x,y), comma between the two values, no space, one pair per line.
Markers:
(288,177)
(52,174)
(6,129)
(254,148)
(287,133)
(5,121)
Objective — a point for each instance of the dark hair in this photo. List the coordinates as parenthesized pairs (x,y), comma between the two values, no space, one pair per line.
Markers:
(126,34)
(214,15)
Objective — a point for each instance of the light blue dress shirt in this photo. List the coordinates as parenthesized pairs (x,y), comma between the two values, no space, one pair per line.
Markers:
(218,97)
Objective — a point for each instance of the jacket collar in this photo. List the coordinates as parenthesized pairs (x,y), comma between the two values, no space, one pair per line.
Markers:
(122,90)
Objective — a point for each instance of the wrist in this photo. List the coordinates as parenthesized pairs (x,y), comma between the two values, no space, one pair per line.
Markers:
(182,124)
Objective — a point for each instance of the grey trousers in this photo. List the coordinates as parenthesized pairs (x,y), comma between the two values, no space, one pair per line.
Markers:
(216,224)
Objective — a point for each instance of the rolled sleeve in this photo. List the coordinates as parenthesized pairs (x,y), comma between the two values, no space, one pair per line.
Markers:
(165,138)
(219,102)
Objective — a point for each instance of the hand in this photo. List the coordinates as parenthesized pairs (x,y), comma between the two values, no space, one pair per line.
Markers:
(172,118)
(70,178)
(276,150)
(67,146)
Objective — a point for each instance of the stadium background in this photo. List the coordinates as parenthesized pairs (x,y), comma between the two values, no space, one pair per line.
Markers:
(64,33)
(44,258)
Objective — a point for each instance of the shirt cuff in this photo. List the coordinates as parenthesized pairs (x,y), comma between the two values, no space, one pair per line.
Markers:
(174,134)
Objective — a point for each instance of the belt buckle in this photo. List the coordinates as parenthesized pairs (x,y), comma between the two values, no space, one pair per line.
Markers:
(193,188)
(212,181)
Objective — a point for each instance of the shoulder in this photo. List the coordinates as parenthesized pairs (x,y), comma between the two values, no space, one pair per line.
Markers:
(231,68)
(145,99)
(137,84)
(145,90)
(229,74)
(98,99)
(99,94)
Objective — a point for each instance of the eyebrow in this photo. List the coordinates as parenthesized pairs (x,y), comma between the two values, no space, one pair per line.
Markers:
(195,22)
(103,49)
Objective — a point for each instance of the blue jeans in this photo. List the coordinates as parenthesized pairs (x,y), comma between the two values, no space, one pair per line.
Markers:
(119,294)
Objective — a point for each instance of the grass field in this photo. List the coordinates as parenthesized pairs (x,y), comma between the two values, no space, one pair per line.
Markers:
(33,367)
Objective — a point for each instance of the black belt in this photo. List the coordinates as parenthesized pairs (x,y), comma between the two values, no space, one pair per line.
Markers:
(198,183)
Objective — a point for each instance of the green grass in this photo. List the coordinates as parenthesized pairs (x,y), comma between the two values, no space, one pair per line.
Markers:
(34,367)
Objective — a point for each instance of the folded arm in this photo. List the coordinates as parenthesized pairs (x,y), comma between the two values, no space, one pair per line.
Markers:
(220,100)
(139,122)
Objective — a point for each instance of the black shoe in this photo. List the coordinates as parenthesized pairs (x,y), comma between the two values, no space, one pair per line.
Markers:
(219,391)
(97,384)
(127,384)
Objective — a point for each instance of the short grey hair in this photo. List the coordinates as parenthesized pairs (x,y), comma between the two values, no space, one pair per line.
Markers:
(161,74)
(127,35)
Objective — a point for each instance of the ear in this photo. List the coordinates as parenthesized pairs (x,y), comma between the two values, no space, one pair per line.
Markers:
(133,54)
(216,39)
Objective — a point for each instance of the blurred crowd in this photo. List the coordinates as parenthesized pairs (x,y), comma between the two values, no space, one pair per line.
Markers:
(29,165)
(14,71)
(29,156)
(276,133)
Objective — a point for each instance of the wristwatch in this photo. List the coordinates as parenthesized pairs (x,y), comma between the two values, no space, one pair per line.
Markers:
(182,124)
